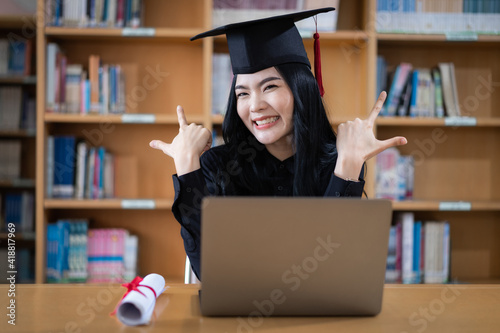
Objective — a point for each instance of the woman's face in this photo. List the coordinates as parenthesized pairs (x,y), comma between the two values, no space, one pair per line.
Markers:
(265,105)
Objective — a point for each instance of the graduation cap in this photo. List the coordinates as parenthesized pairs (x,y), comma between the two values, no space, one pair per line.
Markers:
(263,43)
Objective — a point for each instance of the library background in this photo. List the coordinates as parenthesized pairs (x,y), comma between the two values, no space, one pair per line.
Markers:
(85,85)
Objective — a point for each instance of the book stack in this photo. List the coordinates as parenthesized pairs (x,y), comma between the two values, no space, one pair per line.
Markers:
(67,251)
(107,251)
(78,254)
(394,175)
(99,89)
(419,92)
(15,56)
(231,11)
(95,13)
(438,17)
(18,208)
(77,170)
(419,251)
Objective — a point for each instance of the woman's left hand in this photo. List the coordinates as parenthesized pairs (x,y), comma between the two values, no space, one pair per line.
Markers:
(356,142)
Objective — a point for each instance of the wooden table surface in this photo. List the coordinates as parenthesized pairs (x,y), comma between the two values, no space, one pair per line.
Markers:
(406,308)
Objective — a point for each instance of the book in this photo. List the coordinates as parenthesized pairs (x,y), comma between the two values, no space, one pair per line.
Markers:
(404,100)
(64,166)
(438,93)
(57,251)
(407,228)
(391,275)
(387,178)
(399,80)
(417,253)
(450,95)
(72,88)
(51,82)
(81,166)
(94,64)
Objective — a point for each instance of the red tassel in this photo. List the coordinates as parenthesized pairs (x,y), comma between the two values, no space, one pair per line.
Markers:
(317,64)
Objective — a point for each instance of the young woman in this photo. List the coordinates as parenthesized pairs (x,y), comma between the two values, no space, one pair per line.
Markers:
(278,142)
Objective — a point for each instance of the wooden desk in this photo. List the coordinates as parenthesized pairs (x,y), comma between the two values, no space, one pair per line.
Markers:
(86,308)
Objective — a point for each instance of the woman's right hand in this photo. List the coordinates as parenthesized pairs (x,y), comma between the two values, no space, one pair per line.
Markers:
(187,147)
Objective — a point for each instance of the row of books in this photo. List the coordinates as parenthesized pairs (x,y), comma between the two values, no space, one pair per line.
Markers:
(394,175)
(10,159)
(76,253)
(419,251)
(17,109)
(77,170)
(231,11)
(433,6)
(419,92)
(17,208)
(445,16)
(94,13)
(73,89)
(15,55)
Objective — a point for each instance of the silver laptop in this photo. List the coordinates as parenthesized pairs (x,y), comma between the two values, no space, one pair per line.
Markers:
(269,256)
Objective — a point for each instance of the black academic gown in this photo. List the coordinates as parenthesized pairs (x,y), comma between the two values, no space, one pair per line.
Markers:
(220,175)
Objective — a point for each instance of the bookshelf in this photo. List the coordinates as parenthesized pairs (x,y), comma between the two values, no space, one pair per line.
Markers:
(462,169)
(167,74)
(17,142)
(455,177)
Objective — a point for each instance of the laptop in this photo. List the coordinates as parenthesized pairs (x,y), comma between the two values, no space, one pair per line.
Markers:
(288,256)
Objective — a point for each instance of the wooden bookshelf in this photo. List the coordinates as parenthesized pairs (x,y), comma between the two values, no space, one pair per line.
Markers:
(17,28)
(162,45)
(456,160)
(460,172)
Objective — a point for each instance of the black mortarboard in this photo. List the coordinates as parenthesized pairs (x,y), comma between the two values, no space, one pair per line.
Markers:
(259,44)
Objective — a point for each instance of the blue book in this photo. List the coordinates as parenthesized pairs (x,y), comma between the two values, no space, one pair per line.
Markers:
(51,252)
(89,174)
(57,167)
(413,101)
(100,190)
(62,265)
(417,252)
(64,166)
(13,209)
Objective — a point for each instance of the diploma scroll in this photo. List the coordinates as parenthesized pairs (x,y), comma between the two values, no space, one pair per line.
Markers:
(138,303)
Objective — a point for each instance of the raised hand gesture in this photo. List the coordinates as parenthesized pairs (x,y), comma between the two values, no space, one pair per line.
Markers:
(187,147)
(356,142)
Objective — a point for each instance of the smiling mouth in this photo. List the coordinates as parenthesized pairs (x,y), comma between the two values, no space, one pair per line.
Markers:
(266,121)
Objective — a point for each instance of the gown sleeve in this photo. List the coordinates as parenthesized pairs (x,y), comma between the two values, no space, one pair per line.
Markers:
(338,187)
(190,189)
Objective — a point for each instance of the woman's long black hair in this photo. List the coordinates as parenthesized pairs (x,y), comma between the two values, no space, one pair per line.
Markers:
(314,139)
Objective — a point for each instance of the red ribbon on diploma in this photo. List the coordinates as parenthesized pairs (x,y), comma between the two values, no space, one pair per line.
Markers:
(131,286)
